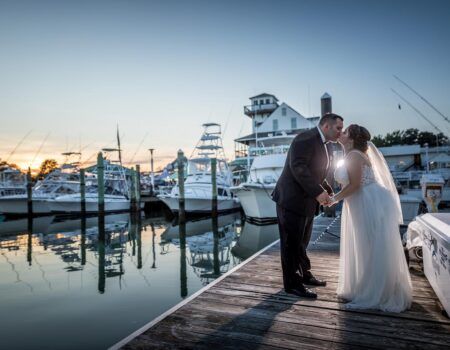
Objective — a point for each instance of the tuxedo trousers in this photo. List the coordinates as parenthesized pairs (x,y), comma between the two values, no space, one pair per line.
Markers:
(295,233)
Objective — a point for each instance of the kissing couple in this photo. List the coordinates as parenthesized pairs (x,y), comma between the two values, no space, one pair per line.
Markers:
(373,273)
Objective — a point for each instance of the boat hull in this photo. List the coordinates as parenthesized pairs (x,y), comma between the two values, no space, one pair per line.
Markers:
(256,201)
(200,205)
(70,205)
(436,248)
(19,206)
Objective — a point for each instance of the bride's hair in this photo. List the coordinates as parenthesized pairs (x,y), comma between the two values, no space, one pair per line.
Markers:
(360,136)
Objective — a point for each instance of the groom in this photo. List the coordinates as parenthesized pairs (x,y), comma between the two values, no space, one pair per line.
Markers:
(299,192)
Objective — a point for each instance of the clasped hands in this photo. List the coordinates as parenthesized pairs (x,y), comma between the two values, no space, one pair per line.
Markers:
(325,199)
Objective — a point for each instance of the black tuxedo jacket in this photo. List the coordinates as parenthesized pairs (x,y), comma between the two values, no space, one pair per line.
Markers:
(303,176)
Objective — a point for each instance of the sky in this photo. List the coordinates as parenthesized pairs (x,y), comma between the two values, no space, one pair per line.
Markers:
(71,71)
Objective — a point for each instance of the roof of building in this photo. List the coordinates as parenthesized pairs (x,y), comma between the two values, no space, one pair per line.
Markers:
(264,95)
(400,150)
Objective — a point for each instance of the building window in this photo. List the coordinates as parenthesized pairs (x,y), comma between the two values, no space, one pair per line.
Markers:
(293,123)
(267,101)
(255,102)
(261,102)
(275,125)
(283,111)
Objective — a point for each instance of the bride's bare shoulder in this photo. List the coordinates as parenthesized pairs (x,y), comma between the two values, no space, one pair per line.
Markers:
(357,157)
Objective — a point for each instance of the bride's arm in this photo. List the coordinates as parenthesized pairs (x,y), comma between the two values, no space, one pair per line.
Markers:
(354,169)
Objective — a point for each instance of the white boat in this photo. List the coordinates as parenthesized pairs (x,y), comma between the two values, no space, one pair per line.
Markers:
(12,182)
(198,184)
(64,180)
(255,193)
(116,198)
(434,230)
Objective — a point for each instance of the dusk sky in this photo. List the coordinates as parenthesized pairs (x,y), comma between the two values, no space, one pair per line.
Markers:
(159,69)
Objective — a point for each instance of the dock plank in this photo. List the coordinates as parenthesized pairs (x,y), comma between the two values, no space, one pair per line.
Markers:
(249,310)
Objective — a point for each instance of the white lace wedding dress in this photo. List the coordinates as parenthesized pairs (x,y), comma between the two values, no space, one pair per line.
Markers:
(373,269)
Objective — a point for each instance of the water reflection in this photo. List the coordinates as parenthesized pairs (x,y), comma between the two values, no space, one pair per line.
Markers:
(120,270)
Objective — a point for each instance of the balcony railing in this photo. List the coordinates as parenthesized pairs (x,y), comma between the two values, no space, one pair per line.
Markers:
(259,109)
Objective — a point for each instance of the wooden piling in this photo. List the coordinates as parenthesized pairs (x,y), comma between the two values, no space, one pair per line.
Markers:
(29,193)
(133,190)
(214,187)
(83,192)
(101,253)
(183,264)
(138,187)
(216,262)
(101,184)
(181,200)
(83,241)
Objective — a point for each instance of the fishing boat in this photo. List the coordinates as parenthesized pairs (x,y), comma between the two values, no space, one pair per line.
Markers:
(255,193)
(63,180)
(12,182)
(198,184)
(116,197)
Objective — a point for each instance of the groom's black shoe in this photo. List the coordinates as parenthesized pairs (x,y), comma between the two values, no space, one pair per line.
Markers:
(301,291)
(312,281)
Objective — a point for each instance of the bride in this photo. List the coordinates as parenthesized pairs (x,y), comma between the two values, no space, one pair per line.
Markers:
(373,270)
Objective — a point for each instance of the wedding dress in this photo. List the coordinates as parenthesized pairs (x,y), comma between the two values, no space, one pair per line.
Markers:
(373,270)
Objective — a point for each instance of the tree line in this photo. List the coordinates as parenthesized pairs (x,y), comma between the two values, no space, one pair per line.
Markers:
(410,137)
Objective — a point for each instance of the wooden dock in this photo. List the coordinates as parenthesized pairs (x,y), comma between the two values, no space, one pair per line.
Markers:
(247,309)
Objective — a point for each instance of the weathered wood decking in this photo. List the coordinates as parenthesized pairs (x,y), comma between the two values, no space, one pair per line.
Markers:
(248,310)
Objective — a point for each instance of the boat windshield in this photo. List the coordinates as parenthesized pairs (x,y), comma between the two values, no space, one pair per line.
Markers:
(203,166)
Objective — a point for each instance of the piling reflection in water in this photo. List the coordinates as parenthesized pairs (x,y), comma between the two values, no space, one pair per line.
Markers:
(111,260)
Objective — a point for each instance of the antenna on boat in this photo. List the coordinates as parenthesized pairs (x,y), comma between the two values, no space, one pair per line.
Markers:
(18,145)
(423,99)
(139,147)
(118,145)
(421,114)
(417,110)
(40,147)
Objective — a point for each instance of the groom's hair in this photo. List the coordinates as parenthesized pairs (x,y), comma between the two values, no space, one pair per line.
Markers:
(330,118)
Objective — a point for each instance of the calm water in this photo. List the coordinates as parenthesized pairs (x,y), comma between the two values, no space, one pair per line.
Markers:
(69,285)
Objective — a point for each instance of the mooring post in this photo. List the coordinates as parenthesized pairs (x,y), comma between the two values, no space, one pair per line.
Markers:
(138,187)
(29,193)
(101,184)
(214,186)
(101,253)
(133,190)
(82,192)
(216,262)
(83,240)
(183,264)
(181,202)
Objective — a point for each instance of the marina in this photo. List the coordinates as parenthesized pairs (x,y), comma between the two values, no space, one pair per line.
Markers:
(224,175)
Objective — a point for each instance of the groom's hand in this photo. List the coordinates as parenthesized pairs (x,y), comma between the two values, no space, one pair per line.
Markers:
(323,198)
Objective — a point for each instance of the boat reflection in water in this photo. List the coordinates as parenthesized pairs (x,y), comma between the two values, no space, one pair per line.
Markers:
(118,272)
(209,242)
(253,238)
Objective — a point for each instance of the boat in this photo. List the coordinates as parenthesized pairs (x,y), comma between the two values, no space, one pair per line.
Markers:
(116,197)
(63,180)
(262,154)
(255,193)
(434,231)
(198,183)
(12,182)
